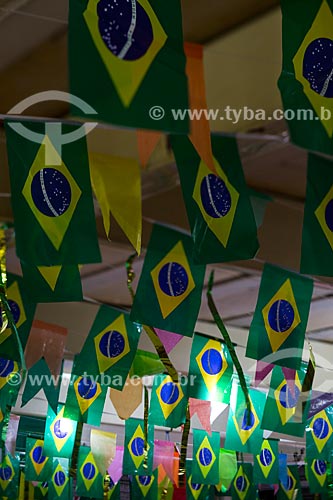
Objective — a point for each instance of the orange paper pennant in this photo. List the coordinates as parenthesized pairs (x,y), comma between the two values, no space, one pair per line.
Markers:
(147,142)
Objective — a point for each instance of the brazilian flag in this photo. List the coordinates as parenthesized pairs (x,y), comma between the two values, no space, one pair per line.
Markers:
(210,370)
(53,283)
(319,435)
(113,491)
(109,348)
(206,451)
(172,282)
(244,433)
(278,327)
(281,404)
(133,61)
(168,402)
(23,310)
(317,238)
(242,487)
(39,377)
(10,381)
(145,487)
(218,204)
(41,491)
(291,489)
(52,198)
(60,485)
(9,476)
(196,491)
(59,434)
(85,400)
(306,82)
(317,475)
(266,463)
(89,481)
(38,467)
(138,456)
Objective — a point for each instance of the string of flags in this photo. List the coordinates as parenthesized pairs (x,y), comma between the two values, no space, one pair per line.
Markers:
(135,57)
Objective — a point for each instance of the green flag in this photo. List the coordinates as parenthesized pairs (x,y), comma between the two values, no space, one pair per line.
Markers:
(170,287)
(266,463)
(243,432)
(291,489)
(196,491)
(146,363)
(38,467)
(168,402)
(9,476)
(89,482)
(109,348)
(59,434)
(316,471)
(227,469)
(218,204)
(133,70)
(138,458)
(23,311)
(317,239)
(85,400)
(306,82)
(281,404)
(113,491)
(210,370)
(145,487)
(41,491)
(278,327)
(205,464)
(51,199)
(60,486)
(319,435)
(52,283)
(39,378)
(10,381)
(242,487)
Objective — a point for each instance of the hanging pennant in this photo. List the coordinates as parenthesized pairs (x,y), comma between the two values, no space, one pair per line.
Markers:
(196,491)
(129,399)
(38,467)
(203,411)
(317,475)
(266,463)
(227,469)
(144,487)
(146,363)
(164,455)
(206,450)
(40,372)
(9,476)
(291,489)
(89,481)
(135,53)
(218,206)
(242,486)
(319,435)
(103,448)
(168,402)
(52,199)
(109,177)
(169,339)
(60,486)
(138,454)
(278,327)
(147,141)
(59,434)
(171,281)
(115,470)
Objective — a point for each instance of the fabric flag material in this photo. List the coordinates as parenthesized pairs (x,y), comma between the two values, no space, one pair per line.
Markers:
(135,53)
(319,435)
(85,400)
(135,462)
(59,434)
(146,363)
(115,470)
(242,485)
(52,199)
(127,400)
(38,467)
(206,450)
(200,131)
(52,283)
(103,448)
(40,372)
(278,327)
(145,487)
(218,204)
(60,486)
(23,311)
(110,180)
(227,469)
(291,489)
(109,348)
(203,411)
(211,368)
(281,404)
(147,142)
(243,432)
(317,475)
(317,238)
(9,476)
(169,339)
(306,83)
(46,341)
(171,281)
(89,482)
(196,491)
(266,463)
(168,402)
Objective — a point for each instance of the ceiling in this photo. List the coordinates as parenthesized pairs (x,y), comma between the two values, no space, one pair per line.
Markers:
(242,54)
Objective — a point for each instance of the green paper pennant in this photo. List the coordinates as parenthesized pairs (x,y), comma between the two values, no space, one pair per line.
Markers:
(40,378)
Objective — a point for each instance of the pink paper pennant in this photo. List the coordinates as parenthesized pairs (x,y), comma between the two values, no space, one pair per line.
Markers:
(116,468)
(290,376)
(168,339)
(202,409)
(262,370)
(163,455)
